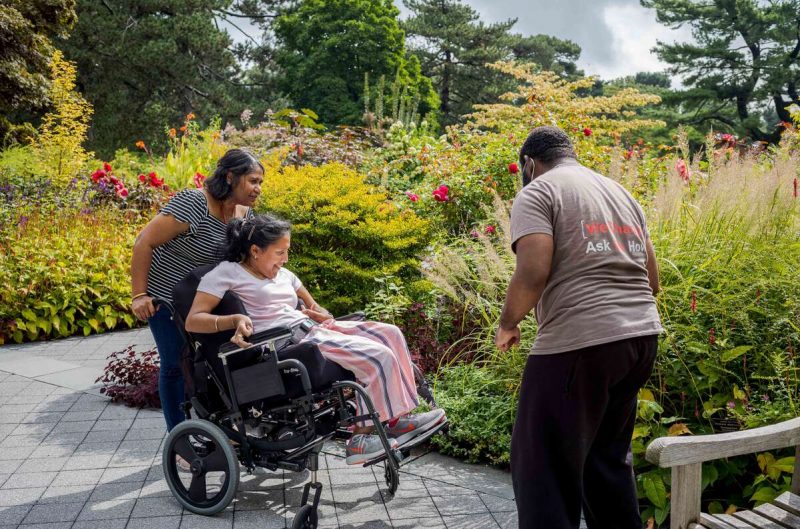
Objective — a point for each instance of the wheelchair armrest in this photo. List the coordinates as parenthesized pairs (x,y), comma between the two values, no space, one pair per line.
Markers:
(269,335)
(355,316)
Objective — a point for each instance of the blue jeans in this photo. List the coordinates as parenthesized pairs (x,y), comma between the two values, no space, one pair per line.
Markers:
(170,344)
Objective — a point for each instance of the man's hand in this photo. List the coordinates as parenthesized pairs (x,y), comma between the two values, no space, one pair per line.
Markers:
(505,339)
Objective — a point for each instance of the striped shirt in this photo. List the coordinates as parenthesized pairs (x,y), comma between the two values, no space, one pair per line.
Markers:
(201,244)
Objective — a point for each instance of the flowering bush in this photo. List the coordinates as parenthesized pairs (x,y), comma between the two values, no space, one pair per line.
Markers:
(132,378)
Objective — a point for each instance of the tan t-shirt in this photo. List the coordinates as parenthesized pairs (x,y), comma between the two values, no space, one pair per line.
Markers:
(598,291)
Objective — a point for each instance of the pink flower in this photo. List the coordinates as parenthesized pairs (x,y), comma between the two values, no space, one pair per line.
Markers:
(412,196)
(683,170)
(490,230)
(199,178)
(441,193)
(513,168)
(587,131)
(474,234)
(122,192)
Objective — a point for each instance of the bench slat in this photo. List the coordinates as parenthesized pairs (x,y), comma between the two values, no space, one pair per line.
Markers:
(738,523)
(712,522)
(757,520)
(788,502)
(778,514)
(697,526)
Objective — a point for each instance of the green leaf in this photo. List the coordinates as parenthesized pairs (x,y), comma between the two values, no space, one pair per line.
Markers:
(655,490)
(661,514)
(29,315)
(764,495)
(94,324)
(734,353)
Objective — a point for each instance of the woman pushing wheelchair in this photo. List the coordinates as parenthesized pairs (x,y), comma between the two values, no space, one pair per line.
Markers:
(376,353)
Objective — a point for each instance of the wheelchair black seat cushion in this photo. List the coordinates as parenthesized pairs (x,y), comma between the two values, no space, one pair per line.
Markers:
(322,372)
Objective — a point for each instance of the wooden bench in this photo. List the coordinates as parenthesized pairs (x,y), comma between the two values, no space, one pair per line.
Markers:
(685,456)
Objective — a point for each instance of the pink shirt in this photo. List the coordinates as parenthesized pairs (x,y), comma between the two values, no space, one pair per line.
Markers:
(269,302)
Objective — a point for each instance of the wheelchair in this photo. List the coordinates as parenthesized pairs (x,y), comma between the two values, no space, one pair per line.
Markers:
(272,405)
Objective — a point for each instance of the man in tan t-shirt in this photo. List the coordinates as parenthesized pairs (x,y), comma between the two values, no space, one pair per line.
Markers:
(586,263)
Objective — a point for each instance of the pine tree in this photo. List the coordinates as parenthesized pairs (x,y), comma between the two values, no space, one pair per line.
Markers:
(454,46)
(742,71)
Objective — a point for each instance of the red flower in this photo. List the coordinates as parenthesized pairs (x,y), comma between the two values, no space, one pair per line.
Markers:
(154,181)
(490,230)
(412,196)
(142,178)
(98,175)
(114,180)
(627,154)
(199,178)
(441,193)
(107,167)
(711,337)
(122,192)
(694,302)
(513,168)
(587,131)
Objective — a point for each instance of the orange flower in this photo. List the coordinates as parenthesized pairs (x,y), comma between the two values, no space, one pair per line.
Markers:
(172,133)
(183,129)
(190,116)
(140,145)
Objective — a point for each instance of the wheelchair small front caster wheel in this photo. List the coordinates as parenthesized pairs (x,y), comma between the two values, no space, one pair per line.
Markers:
(306,518)
(392,477)
(200,466)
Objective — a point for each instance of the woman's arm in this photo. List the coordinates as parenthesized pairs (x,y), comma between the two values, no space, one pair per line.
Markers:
(313,309)
(160,230)
(200,319)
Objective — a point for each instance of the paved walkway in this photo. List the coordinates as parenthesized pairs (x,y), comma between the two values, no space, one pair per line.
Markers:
(70,459)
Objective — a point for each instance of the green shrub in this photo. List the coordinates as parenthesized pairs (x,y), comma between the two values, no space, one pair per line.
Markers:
(345,232)
(65,274)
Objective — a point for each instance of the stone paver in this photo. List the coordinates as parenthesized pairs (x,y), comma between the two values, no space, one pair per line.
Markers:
(71,459)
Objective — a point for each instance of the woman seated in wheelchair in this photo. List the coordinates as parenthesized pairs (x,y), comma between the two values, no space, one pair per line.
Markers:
(376,353)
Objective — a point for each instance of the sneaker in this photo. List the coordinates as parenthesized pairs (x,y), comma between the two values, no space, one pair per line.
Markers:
(409,426)
(363,447)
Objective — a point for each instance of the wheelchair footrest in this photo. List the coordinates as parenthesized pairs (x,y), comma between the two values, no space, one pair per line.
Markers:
(411,443)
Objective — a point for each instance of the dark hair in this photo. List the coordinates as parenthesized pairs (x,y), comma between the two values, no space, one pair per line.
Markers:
(546,144)
(237,162)
(261,230)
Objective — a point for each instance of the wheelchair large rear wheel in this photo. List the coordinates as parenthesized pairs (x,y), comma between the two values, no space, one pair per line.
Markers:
(210,482)
(306,518)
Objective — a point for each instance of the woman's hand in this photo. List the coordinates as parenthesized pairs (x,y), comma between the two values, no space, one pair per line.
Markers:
(317,316)
(143,307)
(243,327)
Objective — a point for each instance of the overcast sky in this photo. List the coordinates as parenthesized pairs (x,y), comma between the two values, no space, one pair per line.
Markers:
(615,36)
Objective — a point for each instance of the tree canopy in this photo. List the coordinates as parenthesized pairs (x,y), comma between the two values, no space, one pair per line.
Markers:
(144,65)
(741,72)
(325,48)
(26,30)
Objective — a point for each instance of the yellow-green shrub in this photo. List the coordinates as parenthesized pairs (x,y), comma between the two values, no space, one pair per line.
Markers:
(346,233)
(66,274)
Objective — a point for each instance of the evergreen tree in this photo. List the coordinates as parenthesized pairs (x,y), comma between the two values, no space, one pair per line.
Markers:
(454,47)
(145,65)
(741,72)
(26,30)
(326,46)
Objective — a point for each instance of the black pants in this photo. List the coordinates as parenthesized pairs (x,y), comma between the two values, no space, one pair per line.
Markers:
(571,443)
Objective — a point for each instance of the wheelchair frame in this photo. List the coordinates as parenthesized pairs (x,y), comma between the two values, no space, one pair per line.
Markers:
(323,407)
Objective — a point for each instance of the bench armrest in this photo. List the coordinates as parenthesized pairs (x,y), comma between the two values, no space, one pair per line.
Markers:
(678,451)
